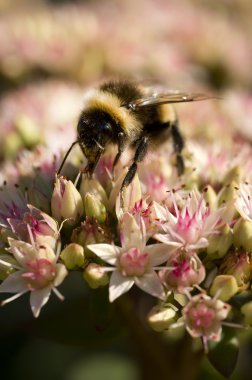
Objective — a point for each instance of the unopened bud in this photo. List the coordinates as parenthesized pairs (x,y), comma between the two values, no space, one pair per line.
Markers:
(94,208)
(66,201)
(243,234)
(210,197)
(225,286)
(73,256)
(246,309)
(28,131)
(11,145)
(238,264)
(92,186)
(96,276)
(220,243)
(227,197)
(160,318)
(234,175)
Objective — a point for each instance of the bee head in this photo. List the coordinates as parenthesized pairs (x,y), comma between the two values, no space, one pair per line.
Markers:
(95,131)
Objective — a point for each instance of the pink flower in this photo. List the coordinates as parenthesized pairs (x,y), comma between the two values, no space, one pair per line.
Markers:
(190,225)
(37,272)
(187,271)
(134,262)
(42,227)
(203,316)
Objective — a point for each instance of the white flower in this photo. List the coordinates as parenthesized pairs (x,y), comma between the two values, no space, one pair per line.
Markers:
(134,262)
(37,272)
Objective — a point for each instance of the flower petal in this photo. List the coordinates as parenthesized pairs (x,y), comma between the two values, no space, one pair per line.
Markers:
(119,285)
(61,273)
(159,253)
(106,252)
(131,233)
(38,299)
(14,283)
(150,283)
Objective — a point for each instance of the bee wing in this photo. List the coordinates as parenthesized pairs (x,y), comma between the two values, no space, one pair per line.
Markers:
(164,98)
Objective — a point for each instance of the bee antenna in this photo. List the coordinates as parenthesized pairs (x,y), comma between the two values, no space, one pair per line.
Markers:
(66,155)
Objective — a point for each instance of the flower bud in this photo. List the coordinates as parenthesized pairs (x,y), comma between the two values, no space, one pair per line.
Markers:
(160,318)
(225,286)
(95,276)
(11,145)
(233,175)
(27,130)
(243,234)
(73,256)
(247,311)
(66,201)
(94,208)
(210,197)
(238,264)
(227,197)
(92,186)
(220,243)
(89,233)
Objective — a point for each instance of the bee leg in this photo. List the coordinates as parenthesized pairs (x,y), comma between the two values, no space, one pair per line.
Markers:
(178,145)
(141,150)
(121,147)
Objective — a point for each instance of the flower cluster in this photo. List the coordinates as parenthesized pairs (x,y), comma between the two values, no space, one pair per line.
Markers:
(188,247)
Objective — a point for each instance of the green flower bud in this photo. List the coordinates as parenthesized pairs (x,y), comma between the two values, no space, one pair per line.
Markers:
(234,175)
(27,130)
(94,208)
(247,311)
(73,256)
(210,197)
(12,143)
(89,232)
(95,276)
(238,264)
(66,201)
(225,286)
(160,318)
(220,243)
(243,234)
(93,187)
(227,197)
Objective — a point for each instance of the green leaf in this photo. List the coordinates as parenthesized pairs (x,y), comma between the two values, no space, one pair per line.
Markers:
(224,354)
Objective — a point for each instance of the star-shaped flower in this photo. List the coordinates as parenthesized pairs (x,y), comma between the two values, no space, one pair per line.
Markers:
(134,262)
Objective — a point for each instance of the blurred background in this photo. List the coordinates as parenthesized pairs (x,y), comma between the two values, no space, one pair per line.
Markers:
(50,51)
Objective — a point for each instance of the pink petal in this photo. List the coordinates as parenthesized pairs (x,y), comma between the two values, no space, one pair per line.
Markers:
(131,233)
(150,283)
(38,299)
(106,252)
(119,285)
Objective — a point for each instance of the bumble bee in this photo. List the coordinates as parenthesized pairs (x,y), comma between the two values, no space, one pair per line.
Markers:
(128,114)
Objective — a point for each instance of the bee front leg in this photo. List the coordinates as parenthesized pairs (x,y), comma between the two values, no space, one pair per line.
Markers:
(178,145)
(121,147)
(141,150)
